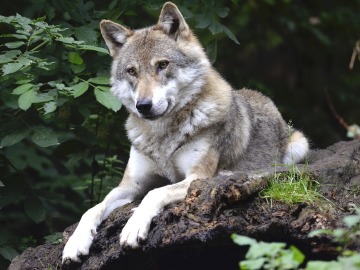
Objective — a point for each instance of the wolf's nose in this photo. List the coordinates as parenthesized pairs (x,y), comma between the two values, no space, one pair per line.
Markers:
(144,106)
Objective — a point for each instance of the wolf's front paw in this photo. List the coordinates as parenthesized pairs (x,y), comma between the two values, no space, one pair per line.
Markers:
(136,229)
(78,244)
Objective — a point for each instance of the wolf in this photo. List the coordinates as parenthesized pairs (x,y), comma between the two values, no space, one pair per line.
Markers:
(185,123)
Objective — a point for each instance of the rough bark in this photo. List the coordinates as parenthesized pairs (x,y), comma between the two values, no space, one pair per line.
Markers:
(195,234)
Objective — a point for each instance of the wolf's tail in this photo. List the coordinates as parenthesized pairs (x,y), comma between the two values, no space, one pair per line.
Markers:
(296,149)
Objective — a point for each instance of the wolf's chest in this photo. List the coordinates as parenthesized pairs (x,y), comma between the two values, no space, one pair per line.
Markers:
(162,149)
(173,153)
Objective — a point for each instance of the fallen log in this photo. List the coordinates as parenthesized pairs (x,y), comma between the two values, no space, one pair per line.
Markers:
(195,233)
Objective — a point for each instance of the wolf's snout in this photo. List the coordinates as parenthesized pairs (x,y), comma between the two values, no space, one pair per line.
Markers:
(144,106)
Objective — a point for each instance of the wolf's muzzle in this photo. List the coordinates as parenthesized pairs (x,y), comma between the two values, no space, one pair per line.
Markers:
(144,106)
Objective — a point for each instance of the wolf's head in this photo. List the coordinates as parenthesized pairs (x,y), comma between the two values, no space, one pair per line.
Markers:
(155,70)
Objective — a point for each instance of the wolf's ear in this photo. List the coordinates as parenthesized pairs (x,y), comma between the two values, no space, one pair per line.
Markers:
(172,22)
(115,35)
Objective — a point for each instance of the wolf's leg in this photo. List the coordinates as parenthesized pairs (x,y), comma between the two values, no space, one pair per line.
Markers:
(138,179)
(198,167)
(138,225)
(297,148)
(80,241)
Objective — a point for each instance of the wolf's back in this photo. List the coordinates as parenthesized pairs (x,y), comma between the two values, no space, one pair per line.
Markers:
(254,134)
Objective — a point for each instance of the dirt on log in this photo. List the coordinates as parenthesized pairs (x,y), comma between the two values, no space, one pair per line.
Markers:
(195,234)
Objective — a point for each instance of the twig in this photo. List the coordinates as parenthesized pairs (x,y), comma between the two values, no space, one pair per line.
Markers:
(353,131)
(334,112)
(94,165)
(356,52)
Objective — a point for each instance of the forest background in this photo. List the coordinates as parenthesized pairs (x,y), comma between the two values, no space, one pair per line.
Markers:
(62,139)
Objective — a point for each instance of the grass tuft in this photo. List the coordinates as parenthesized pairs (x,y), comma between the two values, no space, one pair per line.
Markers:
(294,186)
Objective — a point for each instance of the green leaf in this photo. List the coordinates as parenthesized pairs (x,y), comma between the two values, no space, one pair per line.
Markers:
(319,232)
(78,68)
(50,107)
(75,58)
(60,86)
(44,136)
(100,80)
(298,256)
(223,12)
(5,59)
(66,40)
(103,88)
(211,50)
(107,99)
(25,60)
(14,137)
(46,65)
(79,89)
(263,248)
(7,20)
(87,34)
(350,262)
(34,209)
(55,238)
(242,240)
(204,21)
(23,81)
(2,184)
(216,28)
(23,37)
(9,56)
(93,48)
(11,68)
(26,99)
(338,233)
(23,21)
(322,265)
(285,260)
(45,97)
(252,264)
(8,252)
(230,35)
(15,44)
(22,88)
(351,220)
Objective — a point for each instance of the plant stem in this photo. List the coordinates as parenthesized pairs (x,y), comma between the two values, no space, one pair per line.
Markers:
(39,46)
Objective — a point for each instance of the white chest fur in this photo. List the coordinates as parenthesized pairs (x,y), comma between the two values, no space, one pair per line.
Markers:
(172,152)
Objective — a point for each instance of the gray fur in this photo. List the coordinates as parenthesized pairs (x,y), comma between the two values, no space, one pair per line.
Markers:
(248,133)
(185,123)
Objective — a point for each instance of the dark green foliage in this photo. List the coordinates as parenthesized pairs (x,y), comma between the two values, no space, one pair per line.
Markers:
(62,140)
(262,255)
(63,146)
(346,237)
(55,128)
(276,256)
(295,52)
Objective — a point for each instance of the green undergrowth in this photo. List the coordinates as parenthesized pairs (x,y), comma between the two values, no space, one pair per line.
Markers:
(291,187)
(280,256)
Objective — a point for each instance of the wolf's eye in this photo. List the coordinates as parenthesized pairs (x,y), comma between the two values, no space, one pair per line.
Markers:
(131,71)
(163,64)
